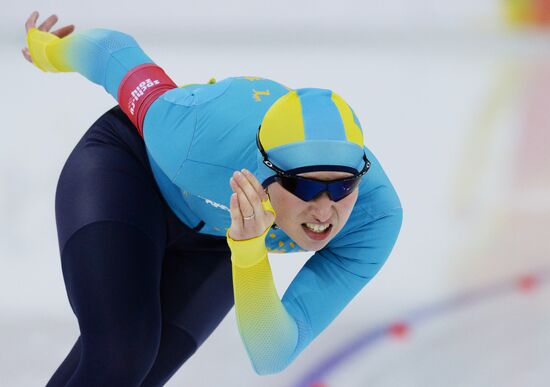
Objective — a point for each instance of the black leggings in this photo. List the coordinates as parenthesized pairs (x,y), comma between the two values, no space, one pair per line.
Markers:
(146,289)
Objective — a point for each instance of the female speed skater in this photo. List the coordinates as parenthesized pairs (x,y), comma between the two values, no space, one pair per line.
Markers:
(169,204)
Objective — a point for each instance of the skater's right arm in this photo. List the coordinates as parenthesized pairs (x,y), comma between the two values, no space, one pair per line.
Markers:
(109,58)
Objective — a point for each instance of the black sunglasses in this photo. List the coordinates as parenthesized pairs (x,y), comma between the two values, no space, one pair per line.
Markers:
(308,189)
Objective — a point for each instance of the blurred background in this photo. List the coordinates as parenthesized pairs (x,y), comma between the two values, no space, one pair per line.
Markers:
(454,99)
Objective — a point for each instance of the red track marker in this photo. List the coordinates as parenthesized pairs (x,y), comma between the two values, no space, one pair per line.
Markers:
(399,330)
(527,283)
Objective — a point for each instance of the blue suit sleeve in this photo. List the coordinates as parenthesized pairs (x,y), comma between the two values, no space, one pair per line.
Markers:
(333,276)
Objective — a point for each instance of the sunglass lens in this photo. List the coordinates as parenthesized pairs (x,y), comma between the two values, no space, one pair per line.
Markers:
(304,189)
(308,189)
(341,189)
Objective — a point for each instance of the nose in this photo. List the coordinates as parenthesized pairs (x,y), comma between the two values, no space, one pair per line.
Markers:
(322,207)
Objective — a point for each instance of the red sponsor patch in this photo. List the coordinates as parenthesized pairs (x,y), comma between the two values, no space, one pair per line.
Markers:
(139,88)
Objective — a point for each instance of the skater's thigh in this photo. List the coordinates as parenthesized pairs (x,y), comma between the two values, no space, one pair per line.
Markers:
(111,225)
(197,287)
(112,273)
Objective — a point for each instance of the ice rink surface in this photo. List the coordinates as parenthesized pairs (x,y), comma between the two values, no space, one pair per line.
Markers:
(460,122)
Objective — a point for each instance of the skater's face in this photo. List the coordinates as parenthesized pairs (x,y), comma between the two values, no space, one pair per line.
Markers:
(293,213)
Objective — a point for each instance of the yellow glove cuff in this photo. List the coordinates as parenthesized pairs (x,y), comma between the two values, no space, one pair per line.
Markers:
(248,252)
(38,42)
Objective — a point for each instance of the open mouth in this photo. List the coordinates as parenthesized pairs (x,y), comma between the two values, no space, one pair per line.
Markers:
(317,234)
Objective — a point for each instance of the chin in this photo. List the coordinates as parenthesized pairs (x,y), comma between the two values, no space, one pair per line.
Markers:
(317,247)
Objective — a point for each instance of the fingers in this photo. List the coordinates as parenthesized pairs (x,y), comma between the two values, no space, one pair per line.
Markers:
(48,23)
(26,54)
(245,205)
(63,31)
(236,216)
(245,182)
(31,21)
(255,184)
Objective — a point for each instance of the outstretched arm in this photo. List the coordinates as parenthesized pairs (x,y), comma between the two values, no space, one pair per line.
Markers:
(109,58)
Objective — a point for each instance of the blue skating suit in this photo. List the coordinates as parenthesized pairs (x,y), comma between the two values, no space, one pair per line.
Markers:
(208,132)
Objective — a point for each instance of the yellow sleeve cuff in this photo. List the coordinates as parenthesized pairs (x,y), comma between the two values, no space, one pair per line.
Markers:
(38,42)
(248,252)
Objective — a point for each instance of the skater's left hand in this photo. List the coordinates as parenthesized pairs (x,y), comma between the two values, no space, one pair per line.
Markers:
(246,201)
